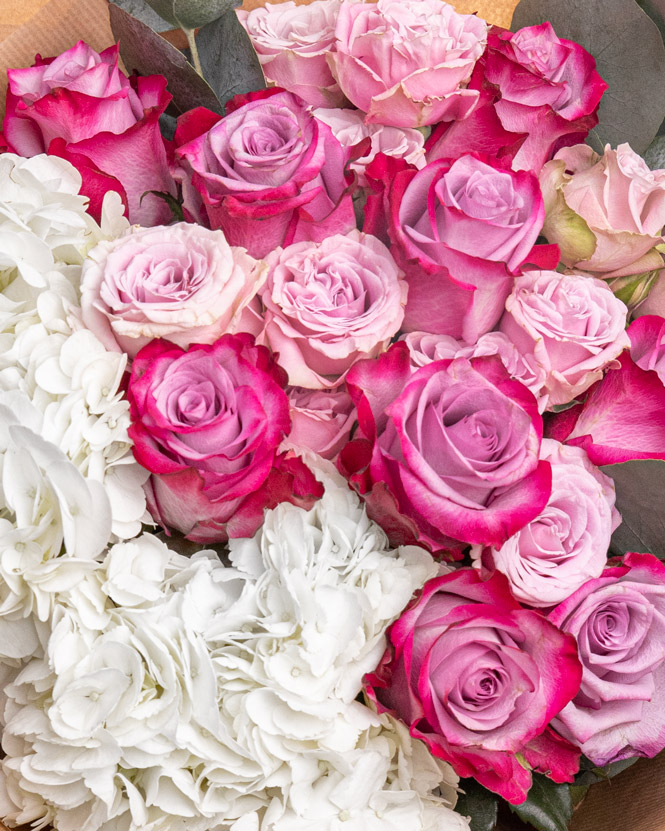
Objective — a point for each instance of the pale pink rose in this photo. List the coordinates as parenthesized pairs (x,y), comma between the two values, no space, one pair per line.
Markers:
(566,544)
(349,128)
(292,42)
(321,420)
(425,348)
(647,343)
(181,282)
(82,107)
(606,212)
(406,62)
(619,622)
(571,323)
(329,304)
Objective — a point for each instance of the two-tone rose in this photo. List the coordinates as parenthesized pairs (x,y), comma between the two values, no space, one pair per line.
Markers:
(207,424)
(446,455)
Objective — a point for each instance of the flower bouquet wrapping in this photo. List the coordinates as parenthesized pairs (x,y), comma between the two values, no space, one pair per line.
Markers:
(332,386)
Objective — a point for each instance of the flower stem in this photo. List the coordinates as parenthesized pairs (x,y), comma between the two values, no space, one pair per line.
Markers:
(191,40)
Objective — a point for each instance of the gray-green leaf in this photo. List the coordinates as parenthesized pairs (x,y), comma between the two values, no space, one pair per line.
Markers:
(190,14)
(548,806)
(479,804)
(228,59)
(145,52)
(630,56)
(640,485)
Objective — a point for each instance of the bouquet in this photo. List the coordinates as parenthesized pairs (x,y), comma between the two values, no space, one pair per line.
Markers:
(332,386)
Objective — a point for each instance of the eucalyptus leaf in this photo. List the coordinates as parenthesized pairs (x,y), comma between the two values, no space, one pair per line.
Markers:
(630,56)
(655,155)
(548,806)
(479,804)
(228,59)
(145,52)
(191,14)
(640,485)
(656,11)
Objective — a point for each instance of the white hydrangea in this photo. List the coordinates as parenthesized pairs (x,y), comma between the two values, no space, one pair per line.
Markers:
(177,693)
(45,234)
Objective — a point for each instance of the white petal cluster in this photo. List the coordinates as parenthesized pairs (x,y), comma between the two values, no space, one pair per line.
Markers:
(176,693)
(68,375)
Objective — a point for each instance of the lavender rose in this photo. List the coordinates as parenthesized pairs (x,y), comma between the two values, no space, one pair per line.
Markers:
(619,622)
(207,424)
(292,42)
(446,455)
(181,282)
(567,544)
(406,62)
(478,678)
(571,323)
(329,304)
(461,229)
(321,420)
(267,174)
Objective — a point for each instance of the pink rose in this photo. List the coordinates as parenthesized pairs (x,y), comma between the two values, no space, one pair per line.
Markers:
(571,323)
(207,424)
(538,93)
(478,679)
(321,420)
(292,42)
(567,544)
(619,622)
(606,213)
(406,62)
(82,107)
(461,229)
(622,417)
(647,343)
(181,282)
(268,173)
(523,367)
(349,129)
(447,455)
(328,304)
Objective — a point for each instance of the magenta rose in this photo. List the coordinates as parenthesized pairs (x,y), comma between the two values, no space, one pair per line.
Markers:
(406,62)
(321,420)
(567,544)
(292,42)
(207,424)
(82,107)
(523,367)
(619,622)
(461,229)
(571,323)
(622,416)
(267,174)
(478,679)
(538,93)
(181,282)
(607,214)
(328,304)
(446,455)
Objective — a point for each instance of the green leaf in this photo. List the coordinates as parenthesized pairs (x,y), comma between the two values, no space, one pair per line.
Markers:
(190,14)
(228,59)
(630,56)
(479,804)
(145,52)
(590,774)
(548,806)
(171,201)
(640,484)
